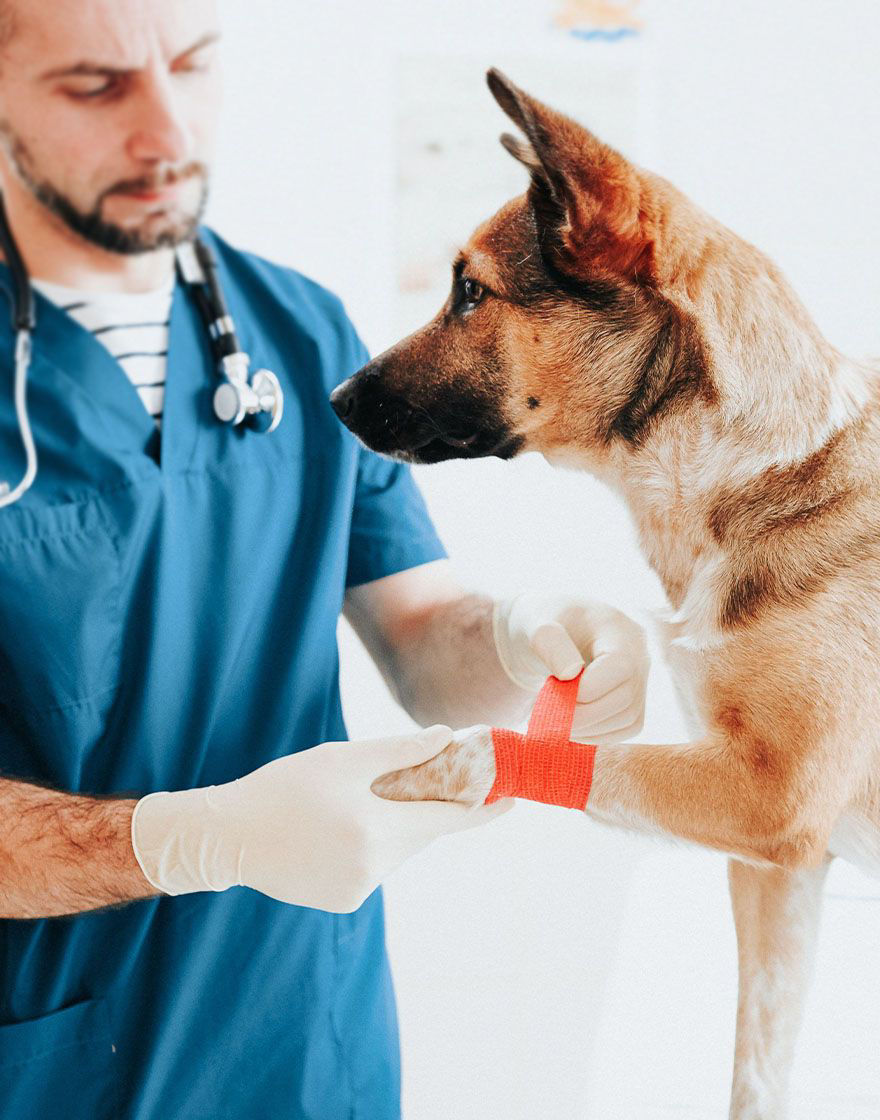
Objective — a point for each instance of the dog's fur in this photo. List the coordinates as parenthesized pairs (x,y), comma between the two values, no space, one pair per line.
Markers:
(604,320)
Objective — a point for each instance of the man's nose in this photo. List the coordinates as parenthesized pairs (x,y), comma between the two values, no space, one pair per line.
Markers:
(158,133)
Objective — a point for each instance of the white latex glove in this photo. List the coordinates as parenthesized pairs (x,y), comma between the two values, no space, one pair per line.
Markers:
(539,635)
(304,829)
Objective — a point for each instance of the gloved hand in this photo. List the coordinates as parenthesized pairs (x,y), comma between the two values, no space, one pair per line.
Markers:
(539,635)
(304,829)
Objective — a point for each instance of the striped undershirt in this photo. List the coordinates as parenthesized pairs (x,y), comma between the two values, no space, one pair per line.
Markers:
(132,325)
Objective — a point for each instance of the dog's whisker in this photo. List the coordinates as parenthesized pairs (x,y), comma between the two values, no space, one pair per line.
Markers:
(420,410)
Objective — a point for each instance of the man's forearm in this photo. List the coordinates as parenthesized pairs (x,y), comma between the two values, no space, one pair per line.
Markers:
(62,853)
(447,668)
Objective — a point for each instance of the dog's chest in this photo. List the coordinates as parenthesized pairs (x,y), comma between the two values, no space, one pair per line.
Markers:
(685,664)
(676,543)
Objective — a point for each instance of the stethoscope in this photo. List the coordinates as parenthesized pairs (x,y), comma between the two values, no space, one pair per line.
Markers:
(239,397)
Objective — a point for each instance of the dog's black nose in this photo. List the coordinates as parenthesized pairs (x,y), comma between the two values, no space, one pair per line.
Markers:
(342,399)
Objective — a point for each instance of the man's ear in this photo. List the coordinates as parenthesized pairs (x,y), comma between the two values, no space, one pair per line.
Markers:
(592,207)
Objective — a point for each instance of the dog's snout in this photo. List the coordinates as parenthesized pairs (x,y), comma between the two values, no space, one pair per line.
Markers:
(342,399)
(415,425)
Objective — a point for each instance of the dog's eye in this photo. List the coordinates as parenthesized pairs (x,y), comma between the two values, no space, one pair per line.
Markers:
(473,291)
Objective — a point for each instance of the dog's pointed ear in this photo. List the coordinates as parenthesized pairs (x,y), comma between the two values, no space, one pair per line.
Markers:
(591,205)
(521,150)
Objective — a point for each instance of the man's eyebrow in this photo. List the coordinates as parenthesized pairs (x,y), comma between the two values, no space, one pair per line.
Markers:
(92,68)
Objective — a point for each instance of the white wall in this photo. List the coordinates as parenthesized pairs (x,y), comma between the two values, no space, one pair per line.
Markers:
(547,967)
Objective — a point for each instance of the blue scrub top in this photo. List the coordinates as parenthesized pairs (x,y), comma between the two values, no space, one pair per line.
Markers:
(168,613)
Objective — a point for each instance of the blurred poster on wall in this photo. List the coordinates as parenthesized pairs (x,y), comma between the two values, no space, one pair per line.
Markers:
(599,19)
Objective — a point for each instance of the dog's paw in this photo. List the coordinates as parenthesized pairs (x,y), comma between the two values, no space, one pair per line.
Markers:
(463,771)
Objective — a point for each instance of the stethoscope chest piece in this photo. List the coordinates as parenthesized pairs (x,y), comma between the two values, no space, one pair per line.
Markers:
(260,401)
(241,396)
(270,397)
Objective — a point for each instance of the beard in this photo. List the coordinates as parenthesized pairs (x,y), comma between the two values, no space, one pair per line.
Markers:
(163,229)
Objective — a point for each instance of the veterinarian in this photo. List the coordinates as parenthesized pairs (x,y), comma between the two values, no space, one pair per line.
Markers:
(170,584)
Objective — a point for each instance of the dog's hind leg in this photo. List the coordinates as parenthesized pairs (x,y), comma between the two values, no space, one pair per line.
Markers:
(777,915)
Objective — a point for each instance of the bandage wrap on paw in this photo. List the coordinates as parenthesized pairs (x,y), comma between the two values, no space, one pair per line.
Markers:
(544,765)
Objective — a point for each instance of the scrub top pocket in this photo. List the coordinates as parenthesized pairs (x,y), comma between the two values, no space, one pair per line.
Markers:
(60,1065)
(59,607)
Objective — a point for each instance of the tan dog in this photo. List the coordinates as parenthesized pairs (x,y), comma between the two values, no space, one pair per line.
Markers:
(604,320)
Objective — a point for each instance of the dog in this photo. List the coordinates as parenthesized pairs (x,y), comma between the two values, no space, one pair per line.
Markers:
(605,321)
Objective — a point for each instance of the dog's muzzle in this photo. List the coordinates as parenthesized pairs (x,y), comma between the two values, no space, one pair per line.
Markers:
(429,433)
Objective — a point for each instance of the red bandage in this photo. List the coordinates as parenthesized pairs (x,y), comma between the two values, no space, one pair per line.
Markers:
(543,765)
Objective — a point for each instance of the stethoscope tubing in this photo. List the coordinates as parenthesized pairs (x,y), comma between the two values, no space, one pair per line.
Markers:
(23,322)
(22,363)
(239,397)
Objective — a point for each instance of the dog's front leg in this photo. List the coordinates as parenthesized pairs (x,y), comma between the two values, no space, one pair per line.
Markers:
(713,792)
(777,916)
(770,802)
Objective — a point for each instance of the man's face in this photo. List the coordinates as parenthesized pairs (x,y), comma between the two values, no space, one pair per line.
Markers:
(107,115)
